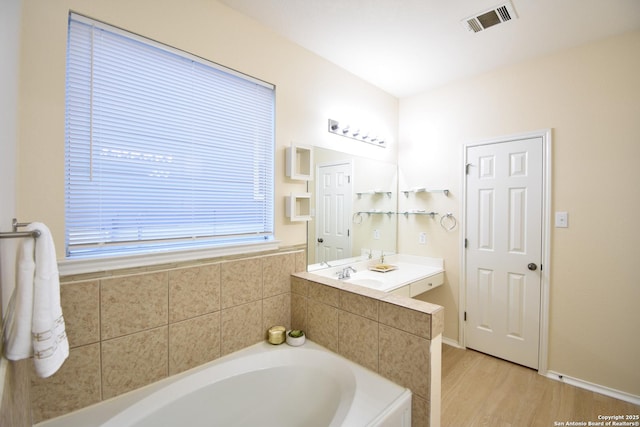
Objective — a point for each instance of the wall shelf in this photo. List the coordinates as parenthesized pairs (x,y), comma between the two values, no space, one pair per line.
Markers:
(373,193)
(424,190)
(376,213)
(405,213)
(299,162)
(298,206)
(418,212)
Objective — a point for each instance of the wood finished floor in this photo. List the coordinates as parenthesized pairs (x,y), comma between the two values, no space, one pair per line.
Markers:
(480,390)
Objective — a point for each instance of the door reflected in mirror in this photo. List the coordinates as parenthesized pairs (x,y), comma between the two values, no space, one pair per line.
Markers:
(354,205)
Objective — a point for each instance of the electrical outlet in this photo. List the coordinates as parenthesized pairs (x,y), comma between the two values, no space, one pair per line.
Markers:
(376,234)
(562,220)
(422,238)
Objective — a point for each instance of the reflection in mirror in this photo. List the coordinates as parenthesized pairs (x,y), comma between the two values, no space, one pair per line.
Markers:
(354,201)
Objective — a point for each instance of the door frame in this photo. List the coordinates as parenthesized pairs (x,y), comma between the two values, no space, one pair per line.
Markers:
(545,134)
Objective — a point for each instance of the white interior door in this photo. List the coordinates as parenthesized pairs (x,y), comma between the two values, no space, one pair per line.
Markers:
(333,212)
(504,249)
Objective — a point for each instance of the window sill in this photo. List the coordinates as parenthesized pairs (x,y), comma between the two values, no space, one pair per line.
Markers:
(70,267)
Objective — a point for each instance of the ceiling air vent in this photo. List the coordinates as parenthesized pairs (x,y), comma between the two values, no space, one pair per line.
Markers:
(481,21)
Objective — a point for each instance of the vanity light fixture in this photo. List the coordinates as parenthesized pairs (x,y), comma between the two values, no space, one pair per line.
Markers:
(355,133)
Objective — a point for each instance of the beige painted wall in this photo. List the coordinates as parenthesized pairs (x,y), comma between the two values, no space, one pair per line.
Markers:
(9,52)
(14,376)
(590,97)
(309,91)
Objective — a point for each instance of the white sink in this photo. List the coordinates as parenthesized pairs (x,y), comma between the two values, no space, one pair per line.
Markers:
(369,283)
(405,279)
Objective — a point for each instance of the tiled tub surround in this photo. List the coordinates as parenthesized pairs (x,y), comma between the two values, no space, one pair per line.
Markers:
(398,337)
(130,328)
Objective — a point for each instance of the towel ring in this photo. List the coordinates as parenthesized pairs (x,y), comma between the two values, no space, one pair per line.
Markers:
(452,221)
(357,218)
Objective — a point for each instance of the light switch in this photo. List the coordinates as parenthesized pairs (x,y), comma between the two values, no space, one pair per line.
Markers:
(562,220)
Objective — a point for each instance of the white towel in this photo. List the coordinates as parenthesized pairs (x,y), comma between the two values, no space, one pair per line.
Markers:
(35,325)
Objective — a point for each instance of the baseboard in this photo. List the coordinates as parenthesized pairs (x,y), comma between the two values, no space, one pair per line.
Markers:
(451,342)
(616,394)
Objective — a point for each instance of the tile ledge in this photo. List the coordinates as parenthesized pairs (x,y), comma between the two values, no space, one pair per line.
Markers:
(166,266)
(410,303)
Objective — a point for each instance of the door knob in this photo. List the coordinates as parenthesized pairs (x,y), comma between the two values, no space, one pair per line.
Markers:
(320,240)
(532,267)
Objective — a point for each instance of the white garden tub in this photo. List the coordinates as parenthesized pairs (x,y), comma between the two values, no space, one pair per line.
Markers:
(262,385)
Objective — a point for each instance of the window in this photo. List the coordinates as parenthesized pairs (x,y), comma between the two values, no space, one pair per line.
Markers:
(164,150)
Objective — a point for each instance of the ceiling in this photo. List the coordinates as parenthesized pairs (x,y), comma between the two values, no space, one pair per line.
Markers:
(409,46)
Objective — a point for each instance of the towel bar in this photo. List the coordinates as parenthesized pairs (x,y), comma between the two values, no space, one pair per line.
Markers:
(15,233)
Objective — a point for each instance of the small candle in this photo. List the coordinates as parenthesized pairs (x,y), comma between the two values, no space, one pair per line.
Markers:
(276,335)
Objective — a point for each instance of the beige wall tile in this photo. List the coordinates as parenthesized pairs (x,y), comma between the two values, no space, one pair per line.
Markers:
(298,311)
(420,411)
(276,311)
(322,324)
(408,320)
(241,326)
(140,347)
(133,361)
(301,261)
(134,303)
(193,342)
(194,291)
(74,386)
(324,294)
(299,286)
(81,310)
(359,304)
(241,282)
(404,359)
(276,273)
(412,303)
(437,323)
(358,339)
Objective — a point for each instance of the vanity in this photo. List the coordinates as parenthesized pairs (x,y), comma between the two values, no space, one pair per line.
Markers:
(352,224)
(399,274)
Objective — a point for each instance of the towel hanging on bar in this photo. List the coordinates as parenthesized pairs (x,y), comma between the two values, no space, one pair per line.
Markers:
(35,325)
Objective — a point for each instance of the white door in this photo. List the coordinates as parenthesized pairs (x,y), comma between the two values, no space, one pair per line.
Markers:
(333,212)
(504,249)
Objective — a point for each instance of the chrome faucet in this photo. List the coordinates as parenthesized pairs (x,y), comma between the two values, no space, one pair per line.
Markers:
(381,257)
(346,272)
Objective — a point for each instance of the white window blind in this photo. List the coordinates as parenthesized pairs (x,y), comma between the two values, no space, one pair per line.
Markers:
(163,150)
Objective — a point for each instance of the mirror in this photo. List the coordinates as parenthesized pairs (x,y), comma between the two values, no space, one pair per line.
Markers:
(353,205)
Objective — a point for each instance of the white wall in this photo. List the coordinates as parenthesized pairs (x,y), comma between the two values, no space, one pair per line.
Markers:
(590,97)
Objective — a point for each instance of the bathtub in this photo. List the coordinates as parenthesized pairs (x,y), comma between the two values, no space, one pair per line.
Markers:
(262,385)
